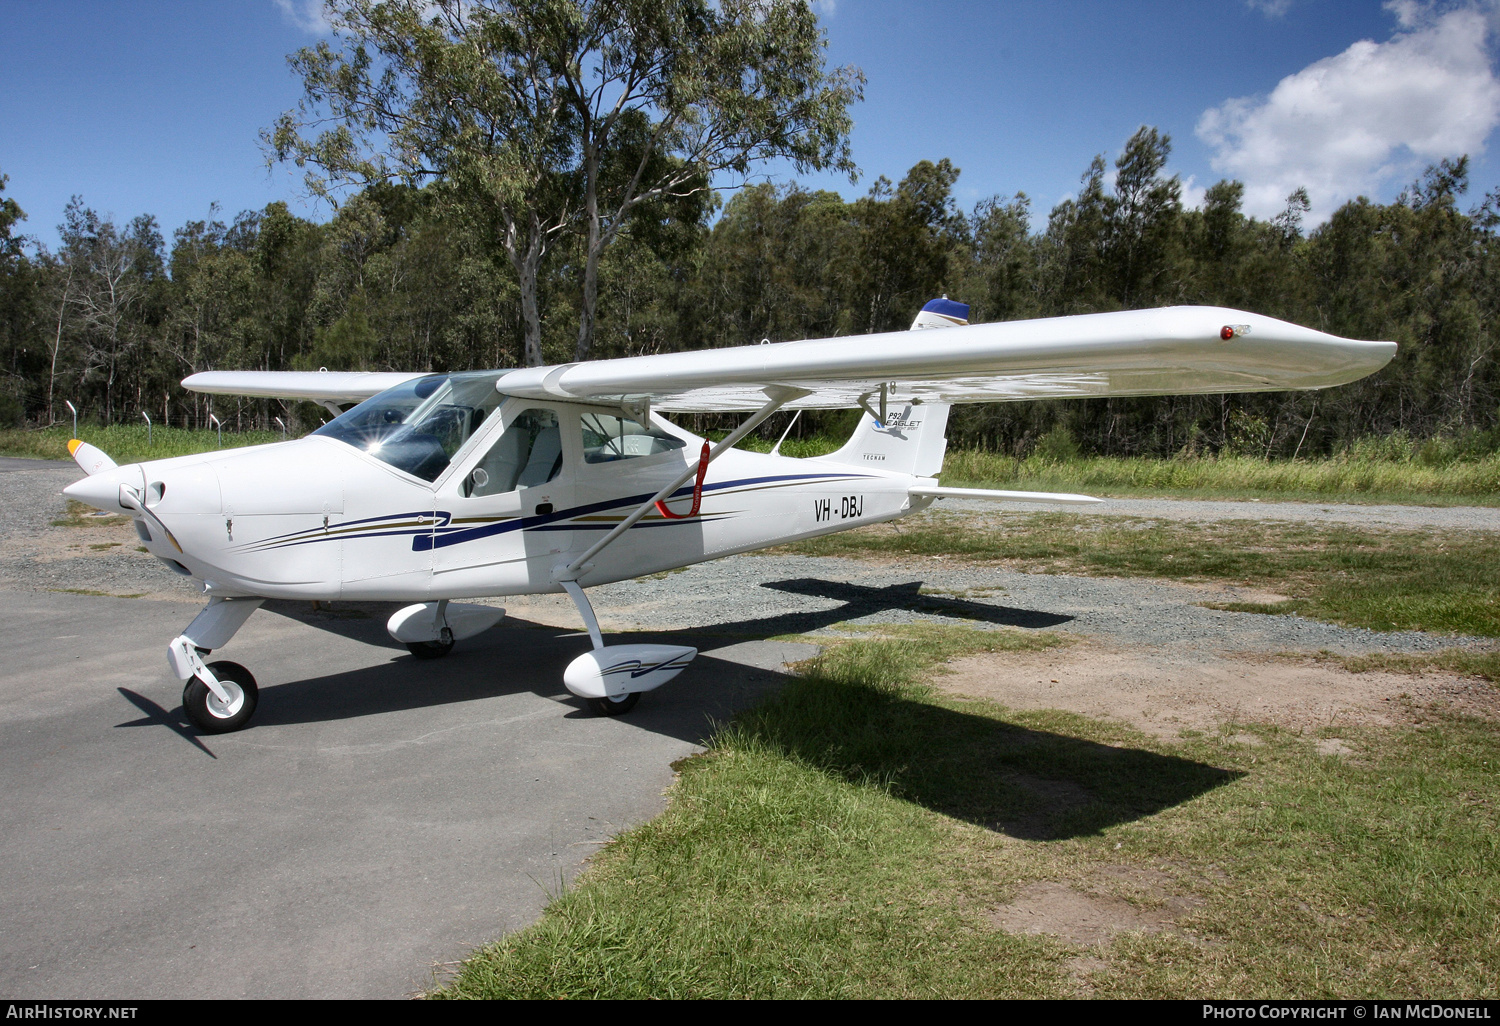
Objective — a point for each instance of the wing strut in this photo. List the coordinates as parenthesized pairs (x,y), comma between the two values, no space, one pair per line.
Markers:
(779,395)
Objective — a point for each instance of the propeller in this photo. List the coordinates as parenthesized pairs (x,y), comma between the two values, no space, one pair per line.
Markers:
(92,459)
(104,490)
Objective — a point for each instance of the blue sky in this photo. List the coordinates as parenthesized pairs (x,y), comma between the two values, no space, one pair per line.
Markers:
(156,107)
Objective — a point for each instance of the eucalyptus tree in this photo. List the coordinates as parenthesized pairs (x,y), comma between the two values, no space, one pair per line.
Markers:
(905,238)
(109,273)
(551,118)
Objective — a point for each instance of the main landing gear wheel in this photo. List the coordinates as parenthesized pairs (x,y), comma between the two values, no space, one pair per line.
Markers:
(213,716)
(614,706)
(433,649)
(430,649)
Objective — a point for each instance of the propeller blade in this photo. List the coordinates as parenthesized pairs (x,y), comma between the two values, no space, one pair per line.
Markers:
(91,458)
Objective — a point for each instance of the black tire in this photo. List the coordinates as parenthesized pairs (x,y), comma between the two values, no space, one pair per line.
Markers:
(207,713)
(429,649)
(614,706)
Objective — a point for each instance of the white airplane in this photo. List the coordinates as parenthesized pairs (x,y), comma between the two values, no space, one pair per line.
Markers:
(441,487)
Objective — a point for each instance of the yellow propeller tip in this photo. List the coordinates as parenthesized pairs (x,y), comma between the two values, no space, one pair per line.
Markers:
(73,444)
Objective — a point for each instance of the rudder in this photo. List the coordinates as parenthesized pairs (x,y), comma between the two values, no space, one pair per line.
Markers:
(913,439)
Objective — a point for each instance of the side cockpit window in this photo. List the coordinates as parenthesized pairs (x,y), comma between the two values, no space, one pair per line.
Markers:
(528,453)
(607,438)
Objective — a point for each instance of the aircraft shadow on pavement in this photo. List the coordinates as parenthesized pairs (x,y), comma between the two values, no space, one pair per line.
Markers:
(518,656)
(360,621)
(512,658)
(1024,782)
(366,621)
(156,716)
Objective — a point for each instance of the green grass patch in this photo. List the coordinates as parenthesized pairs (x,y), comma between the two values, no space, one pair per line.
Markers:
(1339,479)
(1466,662)
(852,836)
(1385,580)
(125,443)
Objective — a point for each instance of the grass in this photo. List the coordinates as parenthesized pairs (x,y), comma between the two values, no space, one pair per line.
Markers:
(1465,662)
(851,836)
(124,443)
(1385,580)
(1348,478)
(1475,482)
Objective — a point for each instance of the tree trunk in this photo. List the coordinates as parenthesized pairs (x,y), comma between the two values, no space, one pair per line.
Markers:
(590,306)
(526,264)
(57,344)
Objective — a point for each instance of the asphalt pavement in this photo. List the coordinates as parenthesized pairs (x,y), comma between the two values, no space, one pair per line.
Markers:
(381,816)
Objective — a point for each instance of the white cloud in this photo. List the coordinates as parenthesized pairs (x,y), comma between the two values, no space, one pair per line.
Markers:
(1270,8)
(310,16)
(1192,193)
(825,9)
(1366,118)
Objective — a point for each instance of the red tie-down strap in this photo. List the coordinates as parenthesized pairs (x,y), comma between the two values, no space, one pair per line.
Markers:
(661,506)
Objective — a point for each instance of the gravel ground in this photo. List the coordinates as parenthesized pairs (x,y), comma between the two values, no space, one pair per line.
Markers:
(782,594)
(812,595)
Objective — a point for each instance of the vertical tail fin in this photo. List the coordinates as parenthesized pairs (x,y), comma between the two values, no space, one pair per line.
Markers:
(913,438)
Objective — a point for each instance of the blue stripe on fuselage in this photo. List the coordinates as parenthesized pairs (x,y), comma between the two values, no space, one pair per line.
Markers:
(422,542)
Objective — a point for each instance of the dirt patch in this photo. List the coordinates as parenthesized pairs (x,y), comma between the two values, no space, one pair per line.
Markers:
(1164,693)
(1062,911)
(1119,899)
(1091,917)
(1218,593)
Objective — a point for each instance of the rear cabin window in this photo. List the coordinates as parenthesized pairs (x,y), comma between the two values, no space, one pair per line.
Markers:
(608,438)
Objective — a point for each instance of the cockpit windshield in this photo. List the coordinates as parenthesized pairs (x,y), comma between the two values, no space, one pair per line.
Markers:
(418,425)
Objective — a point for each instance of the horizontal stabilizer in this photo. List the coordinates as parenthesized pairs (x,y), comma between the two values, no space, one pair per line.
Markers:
(314,386)
(1061,498)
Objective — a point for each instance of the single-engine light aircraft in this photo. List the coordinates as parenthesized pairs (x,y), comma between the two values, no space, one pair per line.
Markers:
(437,488)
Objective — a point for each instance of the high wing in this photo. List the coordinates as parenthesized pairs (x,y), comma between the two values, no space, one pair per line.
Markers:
(314,386)
(1171,350)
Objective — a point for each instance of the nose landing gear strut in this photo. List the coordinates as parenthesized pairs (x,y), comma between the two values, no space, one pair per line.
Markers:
(221,696)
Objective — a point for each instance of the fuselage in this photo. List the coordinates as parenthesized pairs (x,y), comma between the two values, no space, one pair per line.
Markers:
(525,492)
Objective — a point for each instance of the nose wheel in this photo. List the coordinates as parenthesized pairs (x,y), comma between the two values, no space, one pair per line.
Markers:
(212,715)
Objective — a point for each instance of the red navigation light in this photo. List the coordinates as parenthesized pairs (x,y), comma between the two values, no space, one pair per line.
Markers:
(1226,332)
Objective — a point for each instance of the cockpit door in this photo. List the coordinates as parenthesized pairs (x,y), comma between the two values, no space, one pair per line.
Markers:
(511,505)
